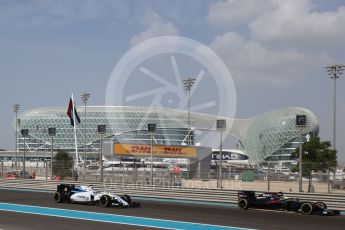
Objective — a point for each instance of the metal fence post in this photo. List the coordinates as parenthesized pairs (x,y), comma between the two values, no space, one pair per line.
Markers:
(135,172)
(51,159)
(221,127)
(301,122)
(2,169)
(46,166)
(101,130)
(221,161)
(123,174)
(329,180)
(300,187)
(101,159)
(151,159)
(151,129)
(268,176)
(24,160)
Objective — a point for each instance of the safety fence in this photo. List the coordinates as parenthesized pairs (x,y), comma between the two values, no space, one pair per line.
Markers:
(333,201)
(129,174)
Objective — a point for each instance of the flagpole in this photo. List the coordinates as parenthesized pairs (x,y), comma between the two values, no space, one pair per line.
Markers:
(75,132)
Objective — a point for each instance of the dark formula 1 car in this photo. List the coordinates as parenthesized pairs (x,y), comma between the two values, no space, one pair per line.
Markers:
(277,201)
(87,195)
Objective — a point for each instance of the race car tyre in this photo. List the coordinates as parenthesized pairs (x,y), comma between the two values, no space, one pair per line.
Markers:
(58,197)
(288,206)
(243,204)
(307,208)
(105,201)
(322,205)
(126,198)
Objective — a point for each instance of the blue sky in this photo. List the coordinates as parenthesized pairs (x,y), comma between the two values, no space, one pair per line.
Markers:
(275,50)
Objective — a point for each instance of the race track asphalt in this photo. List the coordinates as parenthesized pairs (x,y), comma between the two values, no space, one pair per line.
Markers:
(217,215)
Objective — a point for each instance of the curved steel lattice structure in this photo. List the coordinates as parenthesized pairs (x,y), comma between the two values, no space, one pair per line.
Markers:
(260,136)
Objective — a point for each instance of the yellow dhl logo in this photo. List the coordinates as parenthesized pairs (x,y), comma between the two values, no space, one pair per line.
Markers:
(126,149)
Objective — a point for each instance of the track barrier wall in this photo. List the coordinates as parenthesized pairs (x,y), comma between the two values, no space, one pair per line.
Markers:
(333,201)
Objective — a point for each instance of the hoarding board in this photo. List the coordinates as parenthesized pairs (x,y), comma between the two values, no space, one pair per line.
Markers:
(141,150)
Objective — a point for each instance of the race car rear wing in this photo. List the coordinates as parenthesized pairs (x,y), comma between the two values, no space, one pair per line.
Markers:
(249,195)
(65,188)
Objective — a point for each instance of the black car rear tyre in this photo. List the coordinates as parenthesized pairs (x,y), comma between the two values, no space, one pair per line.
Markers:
(307,208)
(105,201)
(243,204)
(126,198)
(288,206)
(58,197)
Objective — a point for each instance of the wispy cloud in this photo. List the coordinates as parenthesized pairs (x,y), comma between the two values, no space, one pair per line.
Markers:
(256,63)
(154,26)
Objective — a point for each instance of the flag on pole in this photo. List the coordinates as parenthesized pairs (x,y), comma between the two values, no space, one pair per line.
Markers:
(73,115)
(70,112)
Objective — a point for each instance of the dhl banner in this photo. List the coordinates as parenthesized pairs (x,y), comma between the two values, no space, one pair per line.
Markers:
(157,150)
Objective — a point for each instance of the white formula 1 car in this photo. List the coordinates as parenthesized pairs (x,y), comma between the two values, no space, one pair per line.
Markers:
(87,195)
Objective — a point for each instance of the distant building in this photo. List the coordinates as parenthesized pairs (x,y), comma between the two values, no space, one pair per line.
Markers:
(270,135)
(229,156)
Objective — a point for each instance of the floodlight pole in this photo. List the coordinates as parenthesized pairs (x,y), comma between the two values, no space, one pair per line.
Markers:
(334,71)
(189,122)
(188,84)
(84,97)
(334,111)
(16,109)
